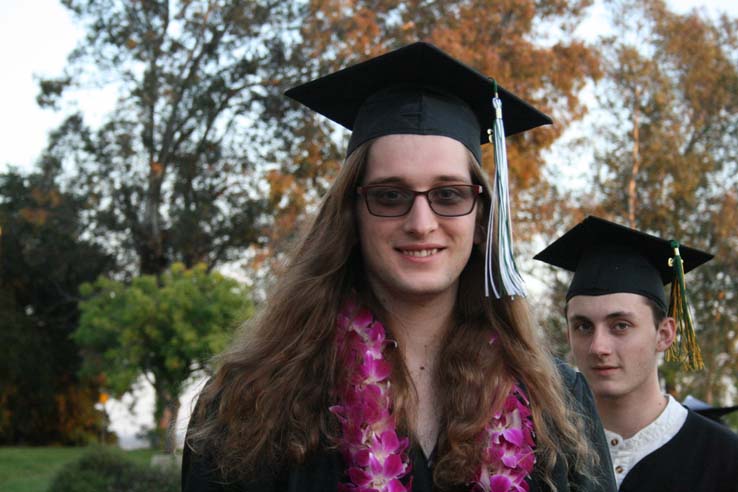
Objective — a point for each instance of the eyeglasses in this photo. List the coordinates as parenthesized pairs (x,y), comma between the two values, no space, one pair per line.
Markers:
(394,201)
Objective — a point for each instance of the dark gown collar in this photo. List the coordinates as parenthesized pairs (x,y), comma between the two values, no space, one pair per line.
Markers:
(422,469)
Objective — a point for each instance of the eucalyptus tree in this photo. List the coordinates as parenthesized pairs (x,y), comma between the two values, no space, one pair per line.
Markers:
(668,160)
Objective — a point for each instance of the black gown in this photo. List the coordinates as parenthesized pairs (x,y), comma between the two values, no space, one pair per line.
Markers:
(325,469)
(701,457)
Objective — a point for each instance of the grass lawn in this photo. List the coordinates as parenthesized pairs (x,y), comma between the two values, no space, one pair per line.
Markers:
(30,469)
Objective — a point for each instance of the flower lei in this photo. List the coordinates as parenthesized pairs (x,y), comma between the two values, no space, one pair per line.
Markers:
(376,456)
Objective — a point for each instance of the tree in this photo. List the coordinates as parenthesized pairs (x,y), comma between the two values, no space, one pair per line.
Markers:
(44,257)
(172,173)
(173,168)
(669,160)
(164,329)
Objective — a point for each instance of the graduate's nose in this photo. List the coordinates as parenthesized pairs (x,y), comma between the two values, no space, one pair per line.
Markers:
(601,343)
(420,220)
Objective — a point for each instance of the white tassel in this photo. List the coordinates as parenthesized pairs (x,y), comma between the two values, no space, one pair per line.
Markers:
(511,282)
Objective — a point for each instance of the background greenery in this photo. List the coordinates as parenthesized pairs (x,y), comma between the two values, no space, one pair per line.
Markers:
(31,469)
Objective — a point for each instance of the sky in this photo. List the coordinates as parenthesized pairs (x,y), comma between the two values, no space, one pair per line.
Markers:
(36,37)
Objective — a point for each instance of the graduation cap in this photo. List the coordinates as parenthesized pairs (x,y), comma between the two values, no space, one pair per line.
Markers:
(713,413)
(418,89)
(609,258)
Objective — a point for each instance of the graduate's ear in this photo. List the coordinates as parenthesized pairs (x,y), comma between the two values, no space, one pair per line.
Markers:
(665,333)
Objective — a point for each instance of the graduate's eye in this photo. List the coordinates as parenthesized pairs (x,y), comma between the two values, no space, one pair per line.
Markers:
(390,195)
(582,327)
(449,195)
(620,326)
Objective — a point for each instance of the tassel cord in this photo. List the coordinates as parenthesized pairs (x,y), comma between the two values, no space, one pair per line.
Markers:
(510,281)
(685,348)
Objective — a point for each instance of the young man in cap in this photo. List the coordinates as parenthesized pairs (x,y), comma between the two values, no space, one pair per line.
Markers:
(618,327)
(378,364)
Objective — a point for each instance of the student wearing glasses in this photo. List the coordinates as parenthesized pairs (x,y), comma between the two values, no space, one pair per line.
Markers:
(379,363)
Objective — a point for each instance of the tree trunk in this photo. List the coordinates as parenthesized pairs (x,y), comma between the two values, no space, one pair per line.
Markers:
(151,250)
(632,194)
(167,409)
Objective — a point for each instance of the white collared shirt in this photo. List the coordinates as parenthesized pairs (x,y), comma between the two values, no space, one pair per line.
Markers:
(625,453)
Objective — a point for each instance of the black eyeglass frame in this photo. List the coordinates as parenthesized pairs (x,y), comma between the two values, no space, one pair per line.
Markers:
(476,189)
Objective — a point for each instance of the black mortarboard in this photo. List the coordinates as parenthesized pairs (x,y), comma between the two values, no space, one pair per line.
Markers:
(417,89)
(608,258)
(420,90)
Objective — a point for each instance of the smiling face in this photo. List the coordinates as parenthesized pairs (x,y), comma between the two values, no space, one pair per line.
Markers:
(616,345)
(420,254)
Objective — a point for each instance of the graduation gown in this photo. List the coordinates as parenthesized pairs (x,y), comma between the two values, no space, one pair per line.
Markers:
(325,469)
(701,457)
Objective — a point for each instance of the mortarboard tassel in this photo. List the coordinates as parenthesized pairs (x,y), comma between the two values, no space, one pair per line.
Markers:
(510,281)
(685,348)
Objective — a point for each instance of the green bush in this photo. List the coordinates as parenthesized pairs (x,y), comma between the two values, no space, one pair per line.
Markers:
(109,470)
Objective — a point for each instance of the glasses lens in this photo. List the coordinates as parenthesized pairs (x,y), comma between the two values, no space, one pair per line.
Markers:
(388,201)
(452,200)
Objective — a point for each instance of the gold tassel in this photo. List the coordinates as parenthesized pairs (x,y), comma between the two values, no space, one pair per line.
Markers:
(684,349)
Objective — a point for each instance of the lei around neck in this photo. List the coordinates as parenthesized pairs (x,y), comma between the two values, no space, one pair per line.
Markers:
(376,456)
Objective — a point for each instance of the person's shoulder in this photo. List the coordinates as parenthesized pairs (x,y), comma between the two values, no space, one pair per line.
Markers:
(568,374)
(576,386)
(711,430)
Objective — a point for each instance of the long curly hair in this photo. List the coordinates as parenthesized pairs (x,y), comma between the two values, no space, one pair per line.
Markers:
(267,404)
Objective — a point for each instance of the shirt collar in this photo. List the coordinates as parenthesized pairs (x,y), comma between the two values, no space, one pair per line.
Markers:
(626,453)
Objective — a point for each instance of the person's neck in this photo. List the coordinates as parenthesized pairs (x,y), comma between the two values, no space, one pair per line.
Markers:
(419,326)
(627,415)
